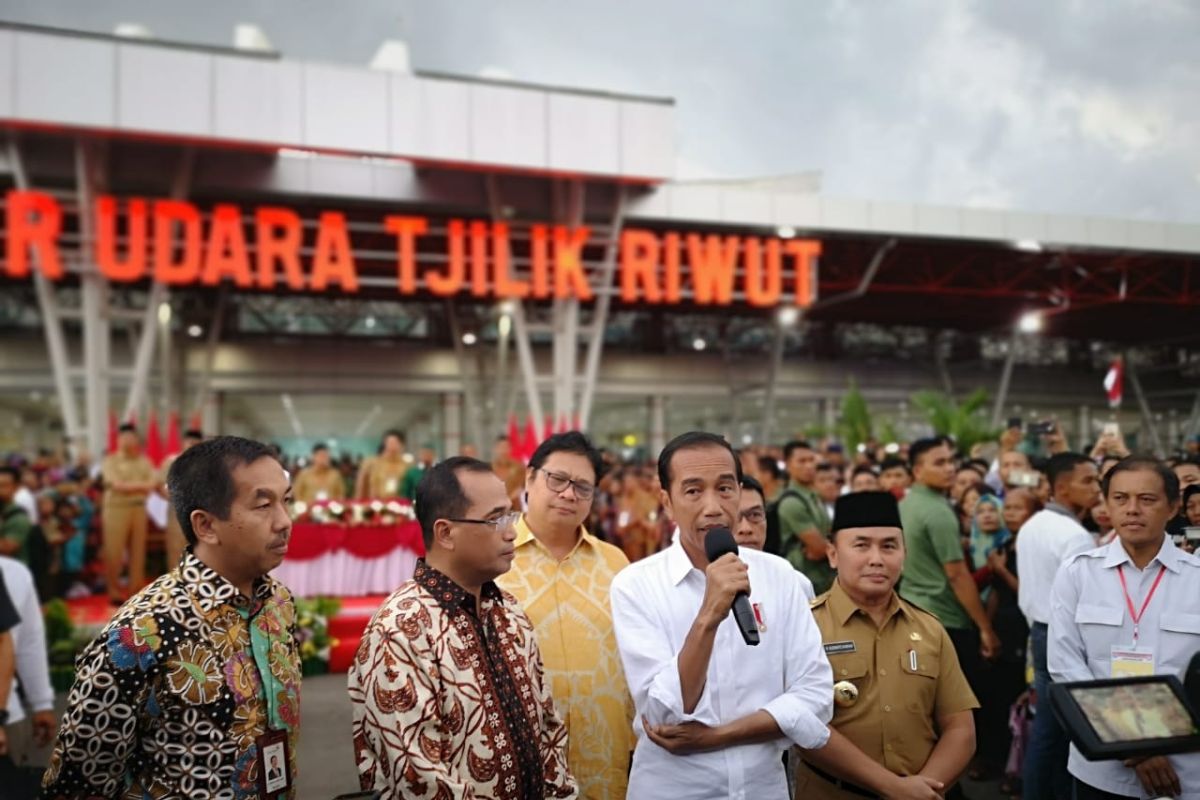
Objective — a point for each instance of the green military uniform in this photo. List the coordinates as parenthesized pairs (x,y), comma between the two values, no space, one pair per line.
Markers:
(801,509)
(904,674)
(932,539)
(15,526)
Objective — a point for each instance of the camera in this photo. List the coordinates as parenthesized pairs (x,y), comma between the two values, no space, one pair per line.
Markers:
(1043,428)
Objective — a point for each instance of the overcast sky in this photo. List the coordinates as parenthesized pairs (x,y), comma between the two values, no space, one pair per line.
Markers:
(1083,106)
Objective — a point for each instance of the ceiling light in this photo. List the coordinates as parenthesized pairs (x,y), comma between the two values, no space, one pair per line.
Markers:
(195,331)
(699,344)
(786,232)
(469,338)
(369,322)
(1030,322)
(789,316)
(1028,245)
(164,314)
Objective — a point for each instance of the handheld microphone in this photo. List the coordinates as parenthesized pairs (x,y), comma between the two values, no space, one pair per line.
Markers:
(717,543)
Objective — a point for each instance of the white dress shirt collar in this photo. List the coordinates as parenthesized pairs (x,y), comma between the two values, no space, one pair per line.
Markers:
(1168,555)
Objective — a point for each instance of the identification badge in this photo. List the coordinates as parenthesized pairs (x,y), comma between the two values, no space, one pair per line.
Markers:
(1130,662)
(834,648)
(273,774)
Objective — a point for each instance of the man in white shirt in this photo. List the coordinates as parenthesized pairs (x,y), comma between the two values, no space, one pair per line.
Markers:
(1130,608)
(1048,539)
(32,665)
(700,691)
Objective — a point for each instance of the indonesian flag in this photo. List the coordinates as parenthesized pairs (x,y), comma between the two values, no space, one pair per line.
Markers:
(1114,381)
(515,446)
(174,445)
(154,442)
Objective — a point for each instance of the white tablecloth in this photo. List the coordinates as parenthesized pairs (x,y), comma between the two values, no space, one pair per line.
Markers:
(340,574)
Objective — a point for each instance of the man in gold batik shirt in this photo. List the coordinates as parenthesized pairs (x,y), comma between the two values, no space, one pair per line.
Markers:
(381,476)
(561,575)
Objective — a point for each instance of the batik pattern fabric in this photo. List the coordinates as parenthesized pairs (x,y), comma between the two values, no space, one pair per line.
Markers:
(567,600)
(168,700)
(450,700)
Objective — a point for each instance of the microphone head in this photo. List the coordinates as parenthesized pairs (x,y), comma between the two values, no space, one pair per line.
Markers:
(718,542)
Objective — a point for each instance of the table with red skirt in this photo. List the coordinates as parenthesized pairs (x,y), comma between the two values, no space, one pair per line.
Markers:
(343,560)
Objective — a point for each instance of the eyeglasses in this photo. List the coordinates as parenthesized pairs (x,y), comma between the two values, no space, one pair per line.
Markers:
(559,483)
(501,523)
(755,516)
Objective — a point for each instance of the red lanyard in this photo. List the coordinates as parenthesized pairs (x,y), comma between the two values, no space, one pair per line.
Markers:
(1137,616)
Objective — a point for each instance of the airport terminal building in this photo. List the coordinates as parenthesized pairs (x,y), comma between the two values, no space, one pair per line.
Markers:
(303,251)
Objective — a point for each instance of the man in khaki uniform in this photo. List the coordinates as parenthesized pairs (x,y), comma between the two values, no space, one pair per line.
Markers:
(174,535)
(128,478)
(319,481)
(902,724)
(380,477)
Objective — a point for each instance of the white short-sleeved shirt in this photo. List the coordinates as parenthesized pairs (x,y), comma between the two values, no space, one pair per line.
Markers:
(1090,616)
(1046,541)
(654,604)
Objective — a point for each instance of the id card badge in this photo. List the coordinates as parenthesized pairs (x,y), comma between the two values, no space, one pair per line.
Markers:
(273,774)
(1131,662)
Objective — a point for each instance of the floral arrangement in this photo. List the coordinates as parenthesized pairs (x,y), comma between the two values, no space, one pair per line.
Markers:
(354,512)
(312,632)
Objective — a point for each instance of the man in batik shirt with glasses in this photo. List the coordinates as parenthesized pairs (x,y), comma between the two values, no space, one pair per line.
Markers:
(447,688)
(561,576)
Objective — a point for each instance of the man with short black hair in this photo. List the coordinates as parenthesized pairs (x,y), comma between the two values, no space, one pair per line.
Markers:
(803,520)
(561,576)
(128,479)
(771,476)
(965,478)
(380,476)
(864,479)
(15,524)
(828,485)
(452,660)
(936,576)
(713,716)
(894,476)
(199,672)
(1049,538)
(319,481)
(1122,611)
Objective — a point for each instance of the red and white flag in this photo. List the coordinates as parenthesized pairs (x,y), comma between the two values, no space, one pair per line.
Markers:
(1114,383)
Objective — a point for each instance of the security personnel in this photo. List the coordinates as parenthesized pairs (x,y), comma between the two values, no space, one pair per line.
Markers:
(902,724)
(128,478)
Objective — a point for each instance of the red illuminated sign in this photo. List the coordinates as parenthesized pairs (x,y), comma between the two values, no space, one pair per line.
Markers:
(171,242)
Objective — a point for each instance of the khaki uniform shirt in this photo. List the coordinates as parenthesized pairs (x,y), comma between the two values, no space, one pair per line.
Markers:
(312,485)
(120,468)
(906,673)
(384,477)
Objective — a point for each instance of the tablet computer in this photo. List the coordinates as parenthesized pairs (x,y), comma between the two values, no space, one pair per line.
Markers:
(1127,717)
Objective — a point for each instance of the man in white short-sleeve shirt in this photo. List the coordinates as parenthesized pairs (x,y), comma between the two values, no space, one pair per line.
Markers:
(714,715)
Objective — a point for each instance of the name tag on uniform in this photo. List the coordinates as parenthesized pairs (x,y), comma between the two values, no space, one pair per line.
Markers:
(1130,662)
(833,648)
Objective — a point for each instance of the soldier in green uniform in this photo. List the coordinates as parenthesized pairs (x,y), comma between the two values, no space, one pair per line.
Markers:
(803,521)
(902,724)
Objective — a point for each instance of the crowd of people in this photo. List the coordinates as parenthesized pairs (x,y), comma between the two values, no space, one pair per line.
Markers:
(569,633)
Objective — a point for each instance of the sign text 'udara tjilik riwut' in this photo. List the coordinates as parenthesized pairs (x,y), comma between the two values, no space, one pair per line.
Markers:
(171,242)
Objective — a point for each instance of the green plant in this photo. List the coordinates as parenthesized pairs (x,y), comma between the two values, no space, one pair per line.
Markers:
(855,425)
(312,632)
(966,422)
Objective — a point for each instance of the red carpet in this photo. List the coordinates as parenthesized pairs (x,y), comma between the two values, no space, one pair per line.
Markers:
(346,628)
